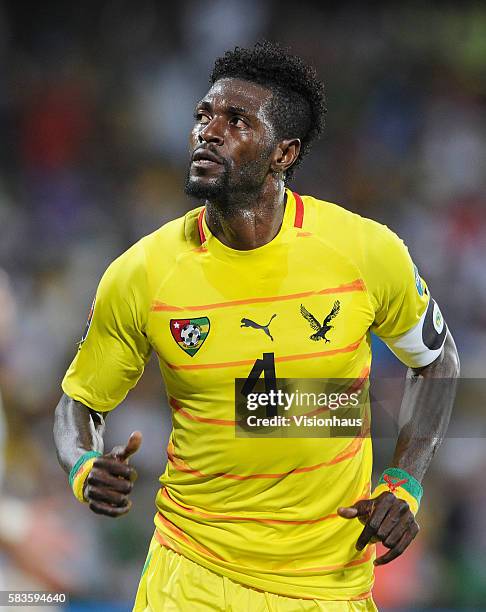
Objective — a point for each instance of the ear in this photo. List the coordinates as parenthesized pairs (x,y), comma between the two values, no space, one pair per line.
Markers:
(285,155)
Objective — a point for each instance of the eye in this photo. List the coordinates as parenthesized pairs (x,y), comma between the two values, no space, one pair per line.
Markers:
(201,117)
(238,122)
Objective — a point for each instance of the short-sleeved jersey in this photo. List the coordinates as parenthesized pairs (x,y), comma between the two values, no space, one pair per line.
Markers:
(260,511)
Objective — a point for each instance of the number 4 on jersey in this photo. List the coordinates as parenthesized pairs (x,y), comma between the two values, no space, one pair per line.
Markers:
(266,365)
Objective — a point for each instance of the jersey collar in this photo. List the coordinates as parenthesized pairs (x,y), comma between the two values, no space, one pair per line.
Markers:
(294,211)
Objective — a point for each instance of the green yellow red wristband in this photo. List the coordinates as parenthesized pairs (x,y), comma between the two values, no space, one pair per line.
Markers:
(402,485)
(80,471)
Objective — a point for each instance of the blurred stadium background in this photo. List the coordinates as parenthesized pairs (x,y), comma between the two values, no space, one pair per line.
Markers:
(95,108)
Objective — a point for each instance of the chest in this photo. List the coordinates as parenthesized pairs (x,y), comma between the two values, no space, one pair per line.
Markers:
(212,318)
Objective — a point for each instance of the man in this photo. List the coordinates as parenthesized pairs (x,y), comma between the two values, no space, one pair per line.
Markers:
(232,290)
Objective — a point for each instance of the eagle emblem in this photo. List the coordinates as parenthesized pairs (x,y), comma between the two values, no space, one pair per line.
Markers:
(320,330)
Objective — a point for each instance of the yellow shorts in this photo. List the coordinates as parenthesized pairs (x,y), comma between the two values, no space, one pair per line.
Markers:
(173,583)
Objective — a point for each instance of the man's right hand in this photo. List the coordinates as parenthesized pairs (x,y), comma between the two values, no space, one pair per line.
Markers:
(111,479)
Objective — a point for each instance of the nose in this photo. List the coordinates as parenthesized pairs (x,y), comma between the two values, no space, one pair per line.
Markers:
(211,132)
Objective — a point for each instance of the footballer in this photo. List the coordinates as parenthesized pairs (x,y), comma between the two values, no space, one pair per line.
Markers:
(258,281)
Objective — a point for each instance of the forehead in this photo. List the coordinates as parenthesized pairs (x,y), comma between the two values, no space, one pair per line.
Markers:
(239,93)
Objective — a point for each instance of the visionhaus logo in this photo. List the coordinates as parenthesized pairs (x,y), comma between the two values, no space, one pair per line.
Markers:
(302,421)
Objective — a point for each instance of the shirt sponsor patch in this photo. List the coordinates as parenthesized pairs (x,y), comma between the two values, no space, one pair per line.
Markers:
(438,319)
(418,281)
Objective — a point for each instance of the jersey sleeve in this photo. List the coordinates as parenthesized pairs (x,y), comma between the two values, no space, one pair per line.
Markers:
(406,318)
(114,348)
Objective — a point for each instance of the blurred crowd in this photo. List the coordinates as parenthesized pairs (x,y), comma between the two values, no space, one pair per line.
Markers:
(95,109)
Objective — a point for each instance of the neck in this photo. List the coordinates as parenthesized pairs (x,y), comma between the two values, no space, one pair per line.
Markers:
(248,220)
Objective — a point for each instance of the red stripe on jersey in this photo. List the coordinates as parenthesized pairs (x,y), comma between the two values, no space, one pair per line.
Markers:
(163,541)
(232,517)
(183,537)
(202,235)
(176,405)
(329,568)
(232,364)
(299,210)
(356,285)
(178,408)
(350,451)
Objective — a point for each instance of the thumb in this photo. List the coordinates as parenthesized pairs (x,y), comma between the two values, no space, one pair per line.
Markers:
(122,453)
(348,513)
(360,508)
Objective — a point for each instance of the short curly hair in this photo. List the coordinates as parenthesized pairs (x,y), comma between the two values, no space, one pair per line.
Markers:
(295,84)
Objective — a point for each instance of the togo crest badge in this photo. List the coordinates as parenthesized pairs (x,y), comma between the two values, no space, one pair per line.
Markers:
(190,334)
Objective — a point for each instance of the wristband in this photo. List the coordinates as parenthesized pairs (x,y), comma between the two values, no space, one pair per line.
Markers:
(79,473)
(402,485)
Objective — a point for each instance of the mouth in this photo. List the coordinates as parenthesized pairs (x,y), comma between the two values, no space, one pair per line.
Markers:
(204,158)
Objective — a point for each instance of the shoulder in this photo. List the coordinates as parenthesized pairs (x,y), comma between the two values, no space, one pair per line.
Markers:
(129,277)
(173,238)
(161,247)
(360,238)
(335,220)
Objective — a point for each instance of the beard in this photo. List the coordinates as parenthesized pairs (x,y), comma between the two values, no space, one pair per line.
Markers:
(208,187)
(230,185)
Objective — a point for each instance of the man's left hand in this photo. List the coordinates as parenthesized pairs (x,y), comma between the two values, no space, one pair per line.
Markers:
(386,519)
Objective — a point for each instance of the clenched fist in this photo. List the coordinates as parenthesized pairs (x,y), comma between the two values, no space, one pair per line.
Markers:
(111,479)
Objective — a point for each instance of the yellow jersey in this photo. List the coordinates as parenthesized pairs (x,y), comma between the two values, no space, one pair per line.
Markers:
(259,511)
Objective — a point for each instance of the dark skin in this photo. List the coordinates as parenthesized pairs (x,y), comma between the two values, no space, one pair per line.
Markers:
(238,166)
(428,408)
(233,124)
(78,429)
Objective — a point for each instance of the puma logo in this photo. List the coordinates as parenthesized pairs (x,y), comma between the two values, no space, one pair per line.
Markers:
(250,323)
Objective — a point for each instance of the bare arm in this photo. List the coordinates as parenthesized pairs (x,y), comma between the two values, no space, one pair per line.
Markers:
(426,411)
(79,429)
(424,418)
